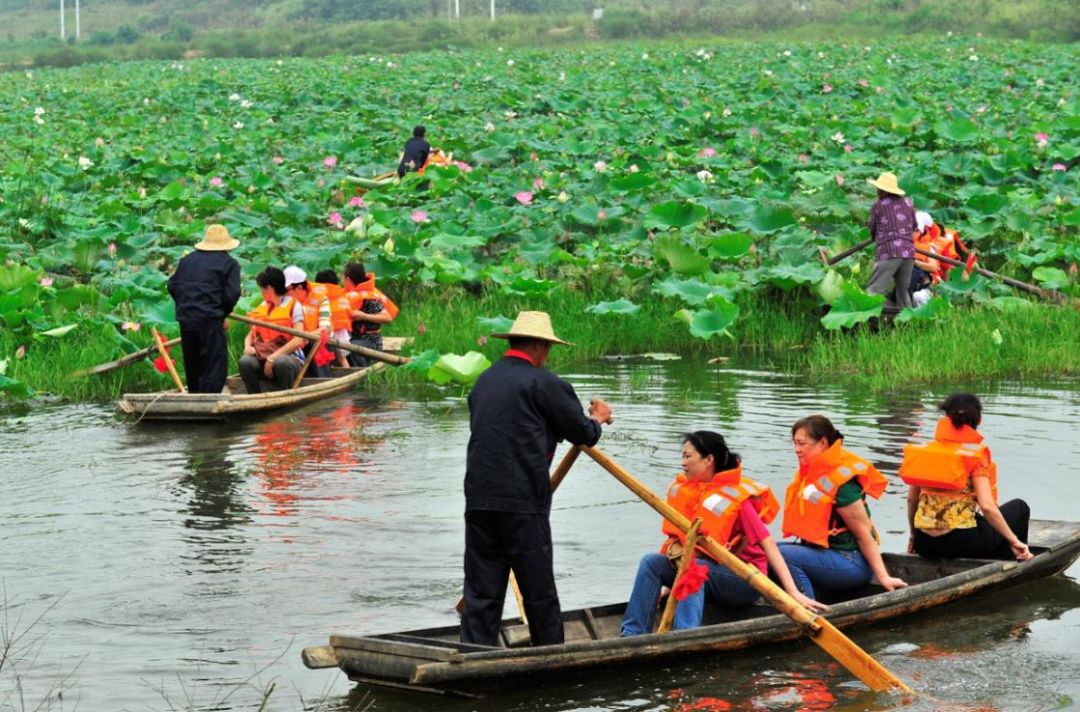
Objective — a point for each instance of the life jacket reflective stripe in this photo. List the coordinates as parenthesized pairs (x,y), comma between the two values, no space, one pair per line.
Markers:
(311,312)
(717,503)
(281,315)
(340,309)
(809,499)
(945,464)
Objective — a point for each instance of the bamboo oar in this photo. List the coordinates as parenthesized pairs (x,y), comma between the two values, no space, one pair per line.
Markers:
(392,359)
(684,563)
(306,366)
(835,643)
(1044,293)
(133,357)
(168,361)
(830,261)
(557,477)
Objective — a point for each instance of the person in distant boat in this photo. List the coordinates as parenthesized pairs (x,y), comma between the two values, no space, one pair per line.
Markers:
(415,153)
(369,309)
(892,225)
(272,358)
(518,413)
(952,492)
(825,507)
(205,288)
(734,510)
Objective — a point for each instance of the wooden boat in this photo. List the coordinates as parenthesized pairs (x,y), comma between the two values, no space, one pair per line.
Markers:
(170,405)
(433,660)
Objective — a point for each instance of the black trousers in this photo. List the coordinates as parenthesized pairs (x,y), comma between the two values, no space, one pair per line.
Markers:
(981,542)
(495,544)
(206,358)
(371,340)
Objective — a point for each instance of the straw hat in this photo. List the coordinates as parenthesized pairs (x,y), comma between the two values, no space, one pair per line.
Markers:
(533,325)
(887,182)
(217,239)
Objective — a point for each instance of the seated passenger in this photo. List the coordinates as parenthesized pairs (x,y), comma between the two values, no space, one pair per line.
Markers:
(734,511)
(952,494)
(327,284)
(270,355)
(316,318)
(370,310)
(825,507)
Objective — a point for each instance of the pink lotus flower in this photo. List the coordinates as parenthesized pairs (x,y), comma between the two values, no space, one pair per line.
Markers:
(320,183)
(421,329)
(754,133)
(130,326)
(1056,167)
(524,197)
(481,340)
(112,249)
(839,180)
(329,162)
(216,182)
(538,183)
(335,220)
(45,281)
(278,160)
(826,88)
(804,159)
(847,148)
(1042,138)
(419,216)
(707,152)
(462,165)
(600,166)
(601,215)
(356,202)
(20,352)
(864,83)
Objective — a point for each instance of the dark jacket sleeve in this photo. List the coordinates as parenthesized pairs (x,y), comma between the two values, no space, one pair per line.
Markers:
(564,412)
(232,287)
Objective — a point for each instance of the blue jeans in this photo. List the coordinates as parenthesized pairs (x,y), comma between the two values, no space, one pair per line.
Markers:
(656,571)
(828,569)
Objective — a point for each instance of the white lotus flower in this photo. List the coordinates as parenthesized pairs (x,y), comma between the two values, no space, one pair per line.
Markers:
(600,166)
(634,168)
(644,55)
(838,137)
(509,63)
(238,125)
(509,114)
(245,104)
(727,112)
(562,197)
(787,52)
(705,176)
(39,111)
(85,163)
(489,127)
(234,97)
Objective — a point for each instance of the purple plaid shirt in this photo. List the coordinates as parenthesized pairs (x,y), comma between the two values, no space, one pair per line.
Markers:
(892,222)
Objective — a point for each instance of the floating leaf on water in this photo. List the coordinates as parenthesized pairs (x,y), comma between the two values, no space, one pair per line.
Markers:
(619,306)
(852,307)
(463,369)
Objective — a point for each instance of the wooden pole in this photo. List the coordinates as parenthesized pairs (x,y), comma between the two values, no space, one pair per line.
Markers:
(823,633)
(133,357)
(307,364)
(830,261)
(168,361)
(1044,293)
(370,353)
(684,563)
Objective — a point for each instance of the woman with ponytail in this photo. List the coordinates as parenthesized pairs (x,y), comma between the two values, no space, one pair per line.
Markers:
(952,492)
(734,510)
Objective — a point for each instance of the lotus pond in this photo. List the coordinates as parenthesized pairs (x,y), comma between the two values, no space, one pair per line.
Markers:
(624,187)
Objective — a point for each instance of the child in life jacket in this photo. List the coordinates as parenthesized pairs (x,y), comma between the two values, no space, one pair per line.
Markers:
(327,284)
(369,310)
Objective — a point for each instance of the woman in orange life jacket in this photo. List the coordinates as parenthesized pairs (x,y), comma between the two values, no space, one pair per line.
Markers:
(734,510)
(326,281)
(825,507)
(370,310)
(952,492)
(271,355)
(316,318)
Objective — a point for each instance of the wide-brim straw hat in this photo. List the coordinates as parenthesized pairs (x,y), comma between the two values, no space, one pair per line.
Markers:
(887,182)
(533,325)
(217,239)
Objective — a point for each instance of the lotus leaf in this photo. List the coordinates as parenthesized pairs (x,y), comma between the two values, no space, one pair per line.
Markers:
(691,291)
(463,369)
(730,246)
(767,219)
(707,323)
(853,306)
(932,310)
(619,306)
(495,324)
(682,258)
(15,389)
(674,214)
(1050,277)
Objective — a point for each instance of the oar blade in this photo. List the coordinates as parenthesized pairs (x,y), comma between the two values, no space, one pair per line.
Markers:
(858,662)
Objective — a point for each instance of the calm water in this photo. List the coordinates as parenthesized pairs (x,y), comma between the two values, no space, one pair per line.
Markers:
(186,566)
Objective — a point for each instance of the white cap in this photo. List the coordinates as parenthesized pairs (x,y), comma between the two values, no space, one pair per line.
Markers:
(923,220)
(294,275)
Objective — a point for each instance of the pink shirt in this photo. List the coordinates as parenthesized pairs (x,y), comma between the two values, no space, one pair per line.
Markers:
(754,531)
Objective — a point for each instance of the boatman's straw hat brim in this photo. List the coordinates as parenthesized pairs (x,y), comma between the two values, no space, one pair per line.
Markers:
(532,325)
(888,183)
(217,239)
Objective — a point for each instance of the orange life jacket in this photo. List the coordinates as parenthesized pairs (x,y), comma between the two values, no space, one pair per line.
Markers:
(368,291)
(281,315)
(340,309)
(808,502)
(311,311)
(945,463)
(435,158)
(940,241)
(717,503)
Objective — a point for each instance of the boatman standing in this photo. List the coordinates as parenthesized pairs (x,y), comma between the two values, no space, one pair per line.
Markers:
(205,288)
(519,411)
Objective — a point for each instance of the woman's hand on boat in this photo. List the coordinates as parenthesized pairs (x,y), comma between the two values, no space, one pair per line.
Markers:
(891,583)
(809,603)
(1020,549)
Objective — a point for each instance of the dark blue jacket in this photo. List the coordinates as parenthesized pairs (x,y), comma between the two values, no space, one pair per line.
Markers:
(518,414)
(205,288)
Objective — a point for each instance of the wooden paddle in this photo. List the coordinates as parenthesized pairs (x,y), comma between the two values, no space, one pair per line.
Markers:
(830,261)
(685,560)
(835,643)
(307,364)
(392,359)
(1044,293)
(133,357)
(160,342)
(557,477)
